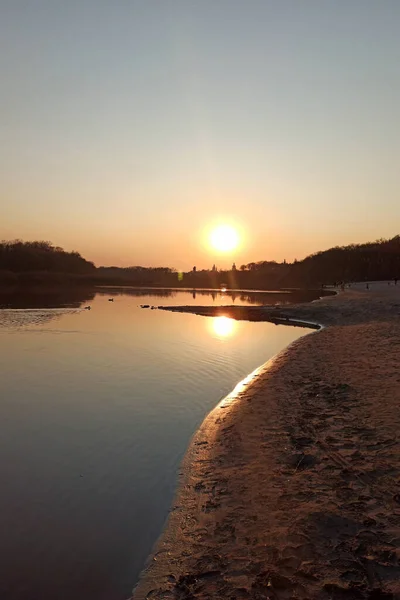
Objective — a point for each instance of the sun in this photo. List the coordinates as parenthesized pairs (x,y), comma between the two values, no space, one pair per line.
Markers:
(224,238)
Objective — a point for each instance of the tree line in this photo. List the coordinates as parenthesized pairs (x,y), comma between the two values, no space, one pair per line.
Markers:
(19,256)
(39,261)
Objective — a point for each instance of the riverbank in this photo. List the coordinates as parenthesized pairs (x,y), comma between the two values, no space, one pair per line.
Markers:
(290,489)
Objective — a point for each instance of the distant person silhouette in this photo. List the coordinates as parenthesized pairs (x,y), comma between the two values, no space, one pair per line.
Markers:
(367,286)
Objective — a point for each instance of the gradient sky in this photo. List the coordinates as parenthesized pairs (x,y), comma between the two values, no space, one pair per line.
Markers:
(130,126)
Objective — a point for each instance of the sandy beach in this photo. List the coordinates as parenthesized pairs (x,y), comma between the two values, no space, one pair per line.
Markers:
(291,487)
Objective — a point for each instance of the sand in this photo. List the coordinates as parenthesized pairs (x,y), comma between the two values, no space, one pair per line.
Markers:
(291,489)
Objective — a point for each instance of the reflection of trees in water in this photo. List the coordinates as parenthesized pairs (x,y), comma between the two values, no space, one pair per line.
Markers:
(36,302)
(45,297)
(288,297)
(257,297)
(160,293)
(263,298)
(247,297)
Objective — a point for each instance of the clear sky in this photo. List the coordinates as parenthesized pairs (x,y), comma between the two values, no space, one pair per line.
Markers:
(128,127)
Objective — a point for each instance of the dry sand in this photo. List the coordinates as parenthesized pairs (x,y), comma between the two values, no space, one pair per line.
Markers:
(290,489)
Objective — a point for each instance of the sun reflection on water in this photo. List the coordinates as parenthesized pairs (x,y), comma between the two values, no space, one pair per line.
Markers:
(223,327)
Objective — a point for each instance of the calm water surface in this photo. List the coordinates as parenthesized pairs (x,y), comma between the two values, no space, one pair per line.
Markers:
(97,408)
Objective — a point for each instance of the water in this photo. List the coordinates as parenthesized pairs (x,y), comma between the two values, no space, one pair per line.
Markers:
(97,408)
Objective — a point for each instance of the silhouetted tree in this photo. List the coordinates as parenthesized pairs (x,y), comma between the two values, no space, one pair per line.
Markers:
(38,261)
(18,256)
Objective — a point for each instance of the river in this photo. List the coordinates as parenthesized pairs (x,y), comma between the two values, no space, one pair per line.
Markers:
(97,408)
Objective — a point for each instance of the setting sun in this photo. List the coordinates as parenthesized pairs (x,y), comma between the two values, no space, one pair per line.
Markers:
(224,238)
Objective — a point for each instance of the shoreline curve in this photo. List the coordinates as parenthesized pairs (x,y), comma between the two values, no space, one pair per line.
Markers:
(280,468)
(197,452)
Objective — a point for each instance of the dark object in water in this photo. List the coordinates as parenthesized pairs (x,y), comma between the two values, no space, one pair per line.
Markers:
(145,306)
(111,299)
(88,307)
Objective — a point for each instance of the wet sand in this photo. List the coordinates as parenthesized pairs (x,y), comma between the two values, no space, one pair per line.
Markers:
(291,487)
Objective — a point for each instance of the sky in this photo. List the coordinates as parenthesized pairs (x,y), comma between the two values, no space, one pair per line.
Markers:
(129,128)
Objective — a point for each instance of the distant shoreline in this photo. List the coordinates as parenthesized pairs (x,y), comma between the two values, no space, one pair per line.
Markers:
(287,462)
(38,279)
(321,291)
